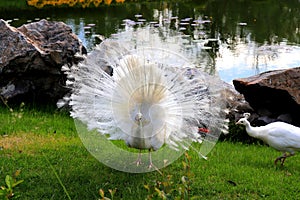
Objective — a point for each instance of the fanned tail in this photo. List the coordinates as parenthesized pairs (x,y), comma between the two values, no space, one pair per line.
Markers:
(108,92)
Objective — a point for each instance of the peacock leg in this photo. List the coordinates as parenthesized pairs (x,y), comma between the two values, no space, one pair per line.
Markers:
(150,160)
(151,163)
(280,159)
(285,156)
(139,159)
(283,159)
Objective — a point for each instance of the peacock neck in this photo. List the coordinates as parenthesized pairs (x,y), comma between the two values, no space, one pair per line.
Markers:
(252,130)
(141,135)
(140,129)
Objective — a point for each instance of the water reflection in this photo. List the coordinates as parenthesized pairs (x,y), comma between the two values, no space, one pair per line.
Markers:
(234,38)
(240,56)
(249,58)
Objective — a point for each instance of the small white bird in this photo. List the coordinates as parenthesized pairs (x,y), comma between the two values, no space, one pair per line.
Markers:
(279,135)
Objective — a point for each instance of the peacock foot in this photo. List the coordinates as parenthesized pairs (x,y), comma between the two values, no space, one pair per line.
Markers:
(281,159)
(276,160)
(138,162)
(151,165)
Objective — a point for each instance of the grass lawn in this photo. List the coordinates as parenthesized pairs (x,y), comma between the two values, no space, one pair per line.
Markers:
(45,148)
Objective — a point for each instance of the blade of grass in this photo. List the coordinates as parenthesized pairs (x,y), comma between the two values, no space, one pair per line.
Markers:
(56,175)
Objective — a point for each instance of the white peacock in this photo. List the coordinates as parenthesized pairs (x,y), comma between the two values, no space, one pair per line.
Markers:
(154,101)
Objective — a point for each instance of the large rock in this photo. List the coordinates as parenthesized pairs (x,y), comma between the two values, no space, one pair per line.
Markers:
(274,95)
(31,58)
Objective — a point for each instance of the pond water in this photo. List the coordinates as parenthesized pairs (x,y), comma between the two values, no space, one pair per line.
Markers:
(239,38)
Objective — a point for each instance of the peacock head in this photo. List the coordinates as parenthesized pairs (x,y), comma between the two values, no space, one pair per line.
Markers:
(138,117)
(244,121)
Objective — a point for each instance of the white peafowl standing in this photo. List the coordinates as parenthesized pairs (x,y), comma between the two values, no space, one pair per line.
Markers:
(154,100)
(279,135)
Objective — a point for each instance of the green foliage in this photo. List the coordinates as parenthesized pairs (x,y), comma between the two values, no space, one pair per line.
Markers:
(111,192)
(7,191)
(169,188)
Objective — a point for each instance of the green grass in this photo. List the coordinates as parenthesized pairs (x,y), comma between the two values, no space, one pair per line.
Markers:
(39,141)
(43,121)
